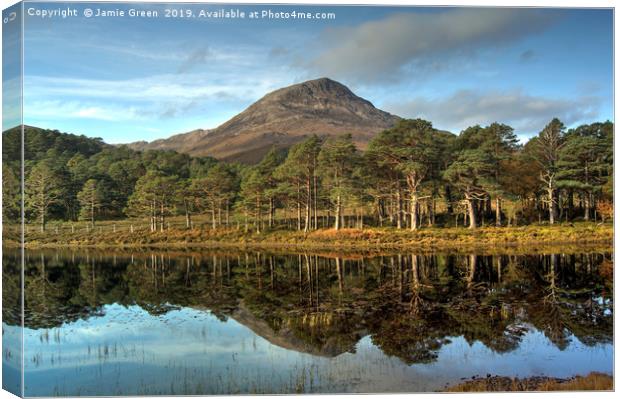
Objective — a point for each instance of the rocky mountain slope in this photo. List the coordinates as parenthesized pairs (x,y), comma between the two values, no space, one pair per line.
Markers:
(282,118)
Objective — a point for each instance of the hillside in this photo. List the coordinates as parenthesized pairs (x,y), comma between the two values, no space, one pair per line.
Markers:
(282,118)
(39,143)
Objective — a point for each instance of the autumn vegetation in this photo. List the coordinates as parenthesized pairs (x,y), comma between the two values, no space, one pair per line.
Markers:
(591,382)
(411,177)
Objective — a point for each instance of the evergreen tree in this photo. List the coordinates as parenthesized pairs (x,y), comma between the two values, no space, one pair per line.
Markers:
(252,195)
(338,162)
(217,190)
(469,174)
(298,171)
(500,142)
(266,168)
(11,194)
(153,197)
(90,199)
(411,148)
(43,188)
(548,145)
(582,168)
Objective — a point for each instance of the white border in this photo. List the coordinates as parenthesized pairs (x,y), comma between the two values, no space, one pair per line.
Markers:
(484,3)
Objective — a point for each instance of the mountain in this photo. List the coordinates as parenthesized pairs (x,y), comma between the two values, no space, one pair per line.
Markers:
(282,118)
(183,142)
(291,339)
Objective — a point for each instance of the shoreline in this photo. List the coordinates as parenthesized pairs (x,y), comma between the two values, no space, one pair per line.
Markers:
(594,381)
(486,239)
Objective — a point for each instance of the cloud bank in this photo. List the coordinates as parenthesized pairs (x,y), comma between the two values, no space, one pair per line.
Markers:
(526,113)
(382,50)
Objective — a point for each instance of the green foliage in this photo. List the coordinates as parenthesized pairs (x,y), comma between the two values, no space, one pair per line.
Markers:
(11,194)
(410,148)
(154,196)
(409,175)
(91,199)
(338,163)
(44,188)
(581,164)
(215,192)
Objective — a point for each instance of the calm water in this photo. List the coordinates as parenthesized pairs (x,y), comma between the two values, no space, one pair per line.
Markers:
(250,322)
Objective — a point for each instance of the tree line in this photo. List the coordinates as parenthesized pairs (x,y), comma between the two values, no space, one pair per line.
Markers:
(409,176)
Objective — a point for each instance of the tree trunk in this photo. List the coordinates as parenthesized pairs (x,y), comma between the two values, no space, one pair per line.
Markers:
(552,214)
(415,210)
(308,204)
(431,212)
(219,213)
(153,218)
(92,213)
(227,213)
(258,213)
(361,218)
(586,206)
(472,212)
(338,212)
(161,217)
(498,212)
(298,214)
(448,195)
(399,210)
(315,201)
(270,212)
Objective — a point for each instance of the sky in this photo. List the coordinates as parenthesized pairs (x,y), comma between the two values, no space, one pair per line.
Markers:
(127,79)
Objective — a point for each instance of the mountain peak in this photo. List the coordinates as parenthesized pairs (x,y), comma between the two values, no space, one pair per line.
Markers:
(317,88)
(324,84)
(284,117)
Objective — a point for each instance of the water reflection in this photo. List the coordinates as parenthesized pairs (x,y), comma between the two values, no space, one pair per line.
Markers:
(144,322)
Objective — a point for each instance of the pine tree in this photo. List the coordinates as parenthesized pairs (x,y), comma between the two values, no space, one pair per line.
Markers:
(266,168)
(90,199)
(43,188)
(548,145)
(501,143)
(411,148)
(470,175)
(299,171)
(252,193)
(154,196)
(216,191)
(11,194)
(581,167)
(338,161)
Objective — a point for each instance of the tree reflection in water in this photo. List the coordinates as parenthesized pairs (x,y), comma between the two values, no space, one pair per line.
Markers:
(409,304)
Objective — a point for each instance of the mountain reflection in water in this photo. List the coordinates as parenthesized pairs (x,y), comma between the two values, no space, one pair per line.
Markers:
(254,322)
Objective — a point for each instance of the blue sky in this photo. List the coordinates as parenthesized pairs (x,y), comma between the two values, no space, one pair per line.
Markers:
(129,79)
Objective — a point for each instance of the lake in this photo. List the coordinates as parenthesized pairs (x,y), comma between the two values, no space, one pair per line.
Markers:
(223,322)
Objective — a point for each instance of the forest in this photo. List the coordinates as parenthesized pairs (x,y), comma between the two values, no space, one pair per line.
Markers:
(409,177)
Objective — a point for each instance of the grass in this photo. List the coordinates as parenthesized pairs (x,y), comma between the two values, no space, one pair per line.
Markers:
(592,382)
(120,234)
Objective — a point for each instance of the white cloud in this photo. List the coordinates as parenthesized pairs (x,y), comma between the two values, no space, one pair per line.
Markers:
(527,113)
(163,87)
(158,96)
(76,109)
(379,50)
